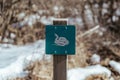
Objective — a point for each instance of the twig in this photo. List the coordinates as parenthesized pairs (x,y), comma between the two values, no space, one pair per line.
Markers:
(5,24)
(90,31)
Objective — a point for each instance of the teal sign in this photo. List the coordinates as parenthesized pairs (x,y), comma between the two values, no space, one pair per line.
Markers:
(60,39)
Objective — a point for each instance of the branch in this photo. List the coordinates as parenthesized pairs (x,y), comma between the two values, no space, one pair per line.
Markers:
(90,31)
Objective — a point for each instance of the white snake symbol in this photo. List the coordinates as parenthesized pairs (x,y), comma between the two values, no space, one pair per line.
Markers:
(61,41)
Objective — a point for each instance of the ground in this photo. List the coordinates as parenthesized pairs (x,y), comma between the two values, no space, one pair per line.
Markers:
(97,37)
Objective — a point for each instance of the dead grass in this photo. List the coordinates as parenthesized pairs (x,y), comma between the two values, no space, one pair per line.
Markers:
(86,46)
(98,77)
(43,70)
(39,70)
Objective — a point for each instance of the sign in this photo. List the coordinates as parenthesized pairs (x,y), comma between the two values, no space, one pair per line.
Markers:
(60,39)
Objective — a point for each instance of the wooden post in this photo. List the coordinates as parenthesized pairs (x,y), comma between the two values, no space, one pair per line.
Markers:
(59,61)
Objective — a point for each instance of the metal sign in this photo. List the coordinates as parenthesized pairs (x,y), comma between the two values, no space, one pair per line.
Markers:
(60,39)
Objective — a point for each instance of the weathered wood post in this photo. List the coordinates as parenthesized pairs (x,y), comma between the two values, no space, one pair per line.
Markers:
(59,61)
(60,42)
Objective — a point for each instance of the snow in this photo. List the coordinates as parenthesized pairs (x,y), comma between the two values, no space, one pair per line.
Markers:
(13,70)
(5,40)
(34,7)
(0,37)
(55,8)
(104,11)
(105,5)
(14,59)
(77,20)
(47,20)
(115,65)
(12,35)
(118,12)
(61,19)
(41,12)
(87,6)
(96,6)
(21,15)
(111,78)
(89,16)
(30,20)
(95,59)
(83,73)
(115,18)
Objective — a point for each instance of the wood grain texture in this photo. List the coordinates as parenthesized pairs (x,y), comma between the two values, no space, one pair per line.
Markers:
(59,61)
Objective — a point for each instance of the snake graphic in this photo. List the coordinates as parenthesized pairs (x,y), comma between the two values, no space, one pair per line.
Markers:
(60,41)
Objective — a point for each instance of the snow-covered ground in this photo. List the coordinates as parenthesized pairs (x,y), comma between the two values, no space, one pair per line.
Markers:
(13,59)
(83,73)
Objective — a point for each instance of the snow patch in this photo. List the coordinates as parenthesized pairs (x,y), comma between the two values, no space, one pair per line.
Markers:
(41,12)
(118,12)
(13,70)
(30,20)
(95,59)
(47,20)
(96,6)
(104,11)
(115,65)
(14,59)
(12,35)
(87,6)
(55,8)
(83,73)
(115,18)
(21,15)
(105,5)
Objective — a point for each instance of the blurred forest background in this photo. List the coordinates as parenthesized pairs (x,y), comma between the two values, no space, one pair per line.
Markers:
(17,15)
(97,22)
